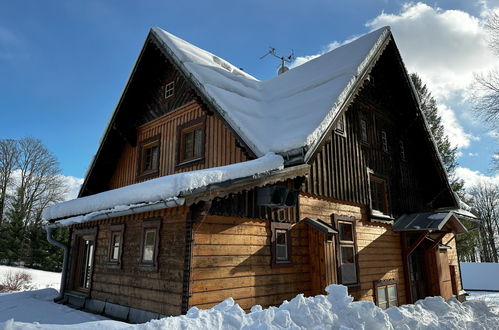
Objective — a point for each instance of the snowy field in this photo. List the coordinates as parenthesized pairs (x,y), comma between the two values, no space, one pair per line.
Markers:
(35,310)
(40,279)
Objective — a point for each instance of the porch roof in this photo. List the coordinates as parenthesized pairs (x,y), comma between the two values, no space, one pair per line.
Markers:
(430,221)
(320,225)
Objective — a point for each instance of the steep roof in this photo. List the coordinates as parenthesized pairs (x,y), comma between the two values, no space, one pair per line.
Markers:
(269,115)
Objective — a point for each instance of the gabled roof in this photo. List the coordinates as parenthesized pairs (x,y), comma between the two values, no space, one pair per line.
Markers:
(287,112)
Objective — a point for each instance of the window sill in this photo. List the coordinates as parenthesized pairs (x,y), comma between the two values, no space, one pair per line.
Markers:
(147,175)
(148,267)
(380,217)
(113,264)
(190,162)
(282,264)
(352,287)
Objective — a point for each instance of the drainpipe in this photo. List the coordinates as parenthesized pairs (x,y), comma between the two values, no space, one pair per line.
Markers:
(64,261)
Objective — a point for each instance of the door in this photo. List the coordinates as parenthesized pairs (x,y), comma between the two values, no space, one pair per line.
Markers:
(417,280)
(84,260)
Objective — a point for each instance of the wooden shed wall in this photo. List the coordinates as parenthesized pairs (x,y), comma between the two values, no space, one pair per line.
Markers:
(450,240)
(232,258)
(159,290)
(220,145)
(378,247)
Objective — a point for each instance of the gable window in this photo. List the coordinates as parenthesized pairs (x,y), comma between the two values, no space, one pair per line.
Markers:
(149,152)
(340,126)
(347,249)
(281,244)
(169,90)
(384,141)
(386,293)
(191,137)
(115,243)
(150,243)
(402,150)
(379,195)
(363,131)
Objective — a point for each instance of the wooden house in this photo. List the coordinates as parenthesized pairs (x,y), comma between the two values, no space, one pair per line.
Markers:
(209,184)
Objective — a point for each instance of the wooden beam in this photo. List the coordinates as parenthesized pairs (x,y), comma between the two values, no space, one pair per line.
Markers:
(416,244)
(437,240)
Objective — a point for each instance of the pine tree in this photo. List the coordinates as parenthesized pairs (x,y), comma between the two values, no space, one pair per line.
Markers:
(13,235)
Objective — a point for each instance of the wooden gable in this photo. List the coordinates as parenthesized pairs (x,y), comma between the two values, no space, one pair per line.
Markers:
(341,166)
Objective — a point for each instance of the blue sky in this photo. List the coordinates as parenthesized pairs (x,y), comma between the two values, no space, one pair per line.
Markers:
(63,64)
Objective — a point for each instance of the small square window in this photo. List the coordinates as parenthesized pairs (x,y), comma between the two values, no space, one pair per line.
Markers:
(384,141)
(115,243)
(281,244)
(149,156)
(386,293)
(345,231)
(150,242)
(379,195)
(363,131)
(169,89)
(191,141)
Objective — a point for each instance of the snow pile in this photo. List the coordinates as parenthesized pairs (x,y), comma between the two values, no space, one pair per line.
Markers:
(334,311)
(166,188)
(269,115)
(479,276)
(40,279)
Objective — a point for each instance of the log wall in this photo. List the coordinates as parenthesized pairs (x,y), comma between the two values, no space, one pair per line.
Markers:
(378,247)
(232,258)
(158,290)
(220,145)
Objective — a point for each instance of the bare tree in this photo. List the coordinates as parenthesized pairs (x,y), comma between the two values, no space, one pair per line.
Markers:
(8,161)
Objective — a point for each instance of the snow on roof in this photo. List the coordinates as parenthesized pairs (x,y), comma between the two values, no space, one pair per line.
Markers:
(164,189)
(269,115)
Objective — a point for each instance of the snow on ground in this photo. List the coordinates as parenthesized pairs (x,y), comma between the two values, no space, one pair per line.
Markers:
(40,279)
(477,276)
(34,310)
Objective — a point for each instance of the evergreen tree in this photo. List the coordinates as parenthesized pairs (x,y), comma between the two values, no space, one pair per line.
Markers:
(13,234)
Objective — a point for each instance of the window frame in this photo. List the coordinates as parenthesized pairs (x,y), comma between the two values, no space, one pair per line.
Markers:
(148,224)
(385,284)
(338,219)
(113,230)
(384,141)
(75,265)
(182,130)
(166,90)
(154,141)
(363,141)
(341,131)
(384,181)
(274,228)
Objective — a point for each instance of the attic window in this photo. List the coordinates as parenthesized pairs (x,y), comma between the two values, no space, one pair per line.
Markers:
(149,152)
(379,195)
(363,131)
(169,89)
(384,141)
(340,126)
(191,137)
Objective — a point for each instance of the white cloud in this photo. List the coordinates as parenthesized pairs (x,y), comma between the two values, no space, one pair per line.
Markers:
(472,178)
(457,136)
(73,185)
(473,154)
(445,47)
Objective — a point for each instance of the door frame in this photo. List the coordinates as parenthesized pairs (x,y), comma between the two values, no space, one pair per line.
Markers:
(75,257)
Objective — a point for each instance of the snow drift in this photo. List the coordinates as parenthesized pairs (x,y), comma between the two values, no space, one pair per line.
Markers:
(333,311)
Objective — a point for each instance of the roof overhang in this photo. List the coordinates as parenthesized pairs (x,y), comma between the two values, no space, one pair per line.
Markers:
(320,226)
(445,221)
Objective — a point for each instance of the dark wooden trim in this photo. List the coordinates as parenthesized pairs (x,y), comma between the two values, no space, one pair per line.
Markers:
(273,228)
(76,234)
(190,126)
(148,224)
(335,219)
(141,174)
(115,228)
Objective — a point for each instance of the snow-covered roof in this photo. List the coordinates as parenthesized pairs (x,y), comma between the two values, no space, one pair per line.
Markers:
(269,115)
(167,190)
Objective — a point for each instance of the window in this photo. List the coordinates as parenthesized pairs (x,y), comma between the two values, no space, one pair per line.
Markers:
(340,126)
(149,157)
(281,244)
(115,243)
(402,150)
(347,251)
(386,293)
(191,141)
(363,131)
(384,141)
(379,195)
(169,89)
(150,243)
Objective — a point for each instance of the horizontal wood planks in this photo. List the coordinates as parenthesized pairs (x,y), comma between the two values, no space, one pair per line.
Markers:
(232,258)
(220,145)
(378,247)
(135,286)
(450,240)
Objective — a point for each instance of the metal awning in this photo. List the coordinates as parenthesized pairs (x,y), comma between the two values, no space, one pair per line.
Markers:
(320,225)
(430,221)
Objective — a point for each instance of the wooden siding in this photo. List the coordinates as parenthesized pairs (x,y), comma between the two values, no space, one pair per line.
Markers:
(322,261)
(232,258)
(452,254)
(158,290)
(379,248)
(220,145)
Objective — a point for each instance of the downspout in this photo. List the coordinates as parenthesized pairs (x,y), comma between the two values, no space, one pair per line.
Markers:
(52,241)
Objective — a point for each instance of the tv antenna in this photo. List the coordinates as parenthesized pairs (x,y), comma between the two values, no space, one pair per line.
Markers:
(284,59)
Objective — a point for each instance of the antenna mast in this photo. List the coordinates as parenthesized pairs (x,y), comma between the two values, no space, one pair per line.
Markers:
(284,59)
